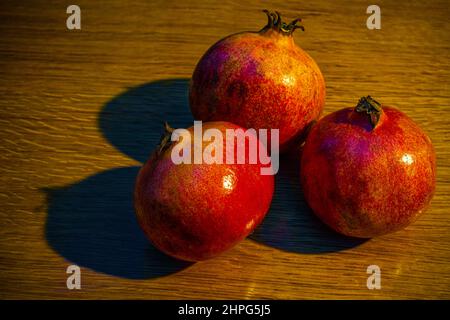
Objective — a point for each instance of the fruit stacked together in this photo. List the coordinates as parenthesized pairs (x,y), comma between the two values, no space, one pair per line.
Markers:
(365,171)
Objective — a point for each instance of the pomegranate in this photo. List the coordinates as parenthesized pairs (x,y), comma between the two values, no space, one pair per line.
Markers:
(259,80)
(368,171)
(194,211)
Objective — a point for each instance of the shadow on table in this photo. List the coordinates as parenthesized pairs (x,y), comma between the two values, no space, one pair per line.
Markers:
(92,223)
(133,121)
(290,224)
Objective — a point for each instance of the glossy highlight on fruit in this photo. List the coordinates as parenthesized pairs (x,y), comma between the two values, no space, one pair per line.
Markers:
(197,211)
(259,80)
(369,170)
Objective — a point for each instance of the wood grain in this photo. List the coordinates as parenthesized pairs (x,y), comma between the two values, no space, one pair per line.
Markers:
(80,111)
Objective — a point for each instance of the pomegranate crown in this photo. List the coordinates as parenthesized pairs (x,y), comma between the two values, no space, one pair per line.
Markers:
(276,23)
(165,140)
(371,107)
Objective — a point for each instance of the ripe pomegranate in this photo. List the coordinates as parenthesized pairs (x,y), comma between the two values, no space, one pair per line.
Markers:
(259,80)
(196,211)
(368,171)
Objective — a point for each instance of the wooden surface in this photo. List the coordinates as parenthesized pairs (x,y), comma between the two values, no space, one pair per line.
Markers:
(80,111)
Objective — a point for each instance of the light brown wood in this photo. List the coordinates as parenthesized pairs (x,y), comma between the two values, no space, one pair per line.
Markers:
(73,125)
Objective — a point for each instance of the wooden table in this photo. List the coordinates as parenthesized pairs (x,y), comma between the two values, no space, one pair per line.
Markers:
(81,110)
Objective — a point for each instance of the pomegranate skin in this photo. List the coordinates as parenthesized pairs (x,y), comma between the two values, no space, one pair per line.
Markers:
(196,211)
(259,80)
(366,180)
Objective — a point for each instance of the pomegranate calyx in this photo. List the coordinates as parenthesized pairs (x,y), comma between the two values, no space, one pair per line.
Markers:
(371,107)
(275,22)
(165,140)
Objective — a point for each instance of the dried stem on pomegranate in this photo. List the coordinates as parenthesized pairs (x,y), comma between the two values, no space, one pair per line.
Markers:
(371,107)
(275,22)
(165,141)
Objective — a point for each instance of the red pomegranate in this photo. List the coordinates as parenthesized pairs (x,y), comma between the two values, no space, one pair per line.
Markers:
(368,171)
(259,80)
(196,211)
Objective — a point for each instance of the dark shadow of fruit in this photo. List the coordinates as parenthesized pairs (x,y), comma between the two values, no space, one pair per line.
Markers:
(290,224)
(92,222)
